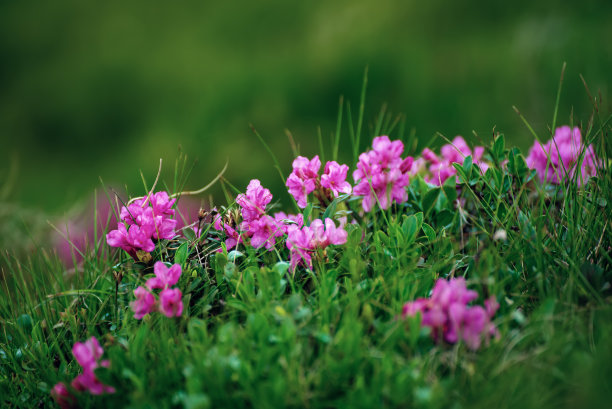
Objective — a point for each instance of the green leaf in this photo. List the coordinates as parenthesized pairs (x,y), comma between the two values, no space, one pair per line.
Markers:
(467,166)
(429,200)
(306,214)
(429,232)
(189,234)
(331,209)
(410,227)
(182,253)
(499,146)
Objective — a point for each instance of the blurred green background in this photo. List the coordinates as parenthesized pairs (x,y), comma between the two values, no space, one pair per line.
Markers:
(104,89)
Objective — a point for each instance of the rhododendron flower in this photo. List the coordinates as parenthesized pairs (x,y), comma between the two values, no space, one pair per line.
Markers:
(560,156)
(289,221)
(382,175)
(334,178)
(62,396)
(144,303)
(147,218)
(171,302)
(164,276)
(254,202)
(88,355)
(302,242)
(447,313)
(263,232)
(303,178)
(233,237)
(306,169)
(324,235)
(441,167)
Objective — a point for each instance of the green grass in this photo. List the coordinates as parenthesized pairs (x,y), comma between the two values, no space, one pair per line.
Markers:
(254,335)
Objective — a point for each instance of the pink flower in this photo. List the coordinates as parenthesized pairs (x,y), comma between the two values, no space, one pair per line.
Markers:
(62,396)
(164,276)
(233,237)
(302,242)
(254,202)
(300,189)
(289,221)
(441,168)
(147,218)
(450,318)
(305,168)
(334,178)
(303,178)
(559,157)
(382,175)
(162,204)
(301,246)
(263,232)
(87,355)
(171,303)
(144,303)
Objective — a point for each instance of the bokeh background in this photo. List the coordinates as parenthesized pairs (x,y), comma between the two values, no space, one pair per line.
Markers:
(103,90)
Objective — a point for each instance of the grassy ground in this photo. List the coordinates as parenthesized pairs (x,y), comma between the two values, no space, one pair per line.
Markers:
(255,335)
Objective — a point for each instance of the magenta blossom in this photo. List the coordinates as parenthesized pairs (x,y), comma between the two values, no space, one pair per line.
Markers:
(559,159)
(439,168)
(144,303)
(88,355)
(62,396)
(334,178)
(254,202)
(164,276)
(171,302)
(289,221)
(303,179)
(263,232)
(233,237)
(302,242)
(382,175)
(450,318)
(143,221)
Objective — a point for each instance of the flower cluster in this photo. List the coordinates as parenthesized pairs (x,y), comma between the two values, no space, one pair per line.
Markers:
(448,315)
(88,356)
(561,157)
(170,299)
(143,221)
(303,241)
(382,175)
(437,169)
(304,179)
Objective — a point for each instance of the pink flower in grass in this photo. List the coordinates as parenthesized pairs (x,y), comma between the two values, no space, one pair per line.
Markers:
(301,246)
(254,202)
(171,302)
(164,276)
(306,169)
(144,303)
(233,237)
(62,396)
(441,167)
(88,355)
(450,318)
(303,179)
(263,232)
(147,218)
(558,159)
(334,178)
(382,175)
(289,221)
(302,242)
